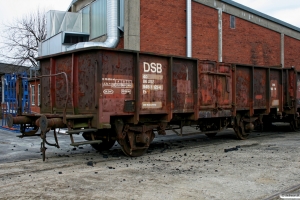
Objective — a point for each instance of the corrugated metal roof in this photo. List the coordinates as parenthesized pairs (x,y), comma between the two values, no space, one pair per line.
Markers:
(260,14)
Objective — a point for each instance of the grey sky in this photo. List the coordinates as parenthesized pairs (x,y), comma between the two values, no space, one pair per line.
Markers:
(285,10)
(11,10)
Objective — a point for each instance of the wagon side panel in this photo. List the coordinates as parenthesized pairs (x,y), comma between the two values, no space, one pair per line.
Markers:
(45,86)
(298,89)
(184,85)
(260,88)
(153,87)
(62,85)
(84,78)
(215,89)
(243,87)
(116,93)
(207,92)
(276,87)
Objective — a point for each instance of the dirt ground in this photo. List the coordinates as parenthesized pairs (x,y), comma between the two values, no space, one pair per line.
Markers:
(193,167)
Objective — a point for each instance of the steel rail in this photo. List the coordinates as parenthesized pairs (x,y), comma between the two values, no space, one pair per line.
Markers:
(289,190)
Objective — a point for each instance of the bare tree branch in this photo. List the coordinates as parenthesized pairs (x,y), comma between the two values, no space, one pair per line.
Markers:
(22,37)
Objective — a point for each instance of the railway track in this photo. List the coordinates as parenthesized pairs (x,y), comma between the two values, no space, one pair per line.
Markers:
(286,194)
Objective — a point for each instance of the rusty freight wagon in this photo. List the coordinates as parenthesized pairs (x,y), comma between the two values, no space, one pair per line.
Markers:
(263,95)
(113,95)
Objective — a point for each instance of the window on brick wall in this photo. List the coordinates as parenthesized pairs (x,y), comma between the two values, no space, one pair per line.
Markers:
(98,18)
(39,94)
(32,95)
(232,21)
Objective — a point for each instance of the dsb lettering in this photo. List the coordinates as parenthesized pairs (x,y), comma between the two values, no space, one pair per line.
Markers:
(152,67)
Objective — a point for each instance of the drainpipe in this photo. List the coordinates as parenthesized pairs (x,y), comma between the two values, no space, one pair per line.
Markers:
(220,35)
(189,28)
(282,50)
(112,30)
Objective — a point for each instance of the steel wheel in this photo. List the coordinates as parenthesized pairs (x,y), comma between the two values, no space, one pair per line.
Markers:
(135,153)
(126,147)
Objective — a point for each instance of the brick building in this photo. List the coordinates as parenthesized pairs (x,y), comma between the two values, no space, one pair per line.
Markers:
(35,95)
(219,30)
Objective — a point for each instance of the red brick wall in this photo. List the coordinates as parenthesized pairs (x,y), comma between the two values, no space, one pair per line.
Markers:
(205,32)
(34,108)
(249,43)
(163,27)
(163,30)
(291,52)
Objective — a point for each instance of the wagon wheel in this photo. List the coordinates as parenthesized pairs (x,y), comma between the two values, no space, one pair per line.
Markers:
(126,147)
(106,143)
(239,128)
(210,135)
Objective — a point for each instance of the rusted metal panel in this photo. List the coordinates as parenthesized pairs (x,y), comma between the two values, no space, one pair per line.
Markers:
(84,79)
(260,88)
(287,80)
(215,90)
(154,84)
(298,89)
(183,81)
(207,84)
(52,85)
(275,88)
(243,87)
(224,85)
(234,107)
(291,86)
(291,91)
(45,86)
(78,88)
(117,82)
(62,64)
